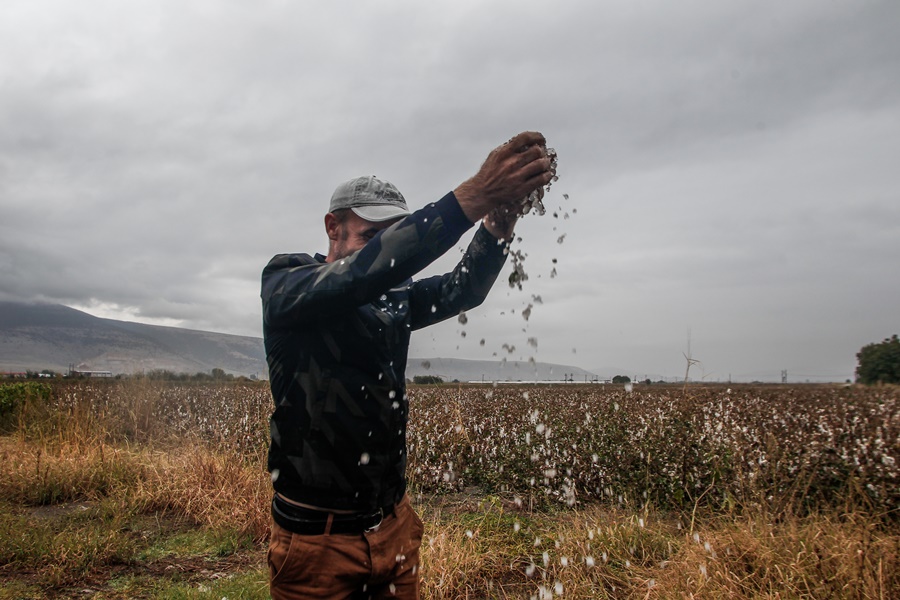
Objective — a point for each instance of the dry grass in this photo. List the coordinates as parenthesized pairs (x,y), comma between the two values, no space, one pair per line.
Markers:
(473,550)
(212,489)
(816,556)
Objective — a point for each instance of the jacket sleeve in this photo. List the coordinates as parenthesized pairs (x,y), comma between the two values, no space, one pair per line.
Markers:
(297,290)
(437,298)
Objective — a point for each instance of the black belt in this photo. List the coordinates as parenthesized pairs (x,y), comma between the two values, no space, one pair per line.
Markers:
(306,521)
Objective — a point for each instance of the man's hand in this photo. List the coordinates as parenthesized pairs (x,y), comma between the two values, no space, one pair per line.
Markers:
(501,221)
(510,173)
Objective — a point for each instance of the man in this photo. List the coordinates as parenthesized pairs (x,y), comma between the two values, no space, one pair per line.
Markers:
(337,331)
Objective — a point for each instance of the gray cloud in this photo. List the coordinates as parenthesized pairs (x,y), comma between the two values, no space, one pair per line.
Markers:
(731,164)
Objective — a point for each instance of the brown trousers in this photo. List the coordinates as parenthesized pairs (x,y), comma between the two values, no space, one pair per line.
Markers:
(381,563)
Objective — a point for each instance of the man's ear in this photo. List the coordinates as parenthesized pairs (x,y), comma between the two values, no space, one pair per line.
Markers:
(332,227)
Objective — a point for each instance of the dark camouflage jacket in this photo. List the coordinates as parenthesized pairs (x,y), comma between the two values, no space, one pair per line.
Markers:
(336,337)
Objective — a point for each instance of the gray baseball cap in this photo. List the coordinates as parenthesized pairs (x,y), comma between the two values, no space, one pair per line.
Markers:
(370,198)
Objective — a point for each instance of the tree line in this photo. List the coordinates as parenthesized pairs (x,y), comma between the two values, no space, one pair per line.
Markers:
(879,363)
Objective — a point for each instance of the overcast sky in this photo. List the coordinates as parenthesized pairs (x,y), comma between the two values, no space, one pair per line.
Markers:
(731,167)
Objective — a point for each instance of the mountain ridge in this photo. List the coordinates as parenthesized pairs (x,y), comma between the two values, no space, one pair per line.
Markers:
(34,337)
(464,369)
(57,337)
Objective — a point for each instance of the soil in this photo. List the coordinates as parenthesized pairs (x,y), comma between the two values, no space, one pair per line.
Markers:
(192,569)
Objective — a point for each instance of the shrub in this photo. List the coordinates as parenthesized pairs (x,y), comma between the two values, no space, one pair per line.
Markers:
(14,397)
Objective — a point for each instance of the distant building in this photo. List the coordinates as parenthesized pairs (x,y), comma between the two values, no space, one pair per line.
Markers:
(76,373)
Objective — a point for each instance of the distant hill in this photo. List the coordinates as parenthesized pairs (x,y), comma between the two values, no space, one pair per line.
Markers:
(450,369)
(51,336)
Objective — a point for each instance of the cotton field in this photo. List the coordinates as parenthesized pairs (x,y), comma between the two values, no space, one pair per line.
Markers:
(531,491)
(670,446)
(667,445)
